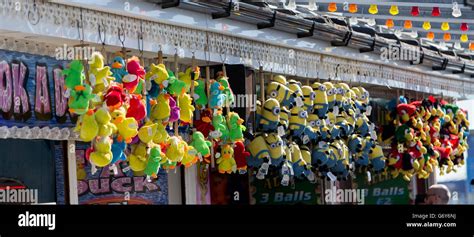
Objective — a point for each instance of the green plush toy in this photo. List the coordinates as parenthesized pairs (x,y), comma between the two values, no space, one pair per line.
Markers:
(176,87)
(220,125)
(201,145)
(227,90)
(200,96)
(235,127)
(74,75)
(153,164)
(79,99)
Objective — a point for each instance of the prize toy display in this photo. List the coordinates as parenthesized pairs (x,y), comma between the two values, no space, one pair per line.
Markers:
(127,114)
(428,133)
(319,130)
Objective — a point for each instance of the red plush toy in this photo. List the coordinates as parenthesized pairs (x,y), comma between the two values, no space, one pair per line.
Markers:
(204,124)
(134,67)
(114,97)
(405,112)
(137,108)
(240,156)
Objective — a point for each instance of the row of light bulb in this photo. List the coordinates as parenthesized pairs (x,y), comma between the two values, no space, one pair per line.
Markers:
(407,24)
(48,133)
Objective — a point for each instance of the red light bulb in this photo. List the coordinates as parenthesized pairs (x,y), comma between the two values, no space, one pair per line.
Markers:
(464,27)
(435,11)
(415,11)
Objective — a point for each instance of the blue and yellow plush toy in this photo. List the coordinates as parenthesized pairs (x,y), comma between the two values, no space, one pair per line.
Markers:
(298,121)
(320,105)
(258,151)
(217,98)
(330,94)
(309,98)
(270,115)
(276,148)
(281,93)
(118,68)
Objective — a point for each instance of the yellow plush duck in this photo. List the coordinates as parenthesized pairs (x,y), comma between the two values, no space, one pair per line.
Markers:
(226,163)
(127,127)
(160,109)
(103,118)
(99,75)
(147,132)
(175,150)
(186,108)
(89,128)
(138,159)
(161,136)
(102,154)
(190,75)
(159,74)
(190,156)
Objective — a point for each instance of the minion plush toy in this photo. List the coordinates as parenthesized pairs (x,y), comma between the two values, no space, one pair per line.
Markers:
(259,151)
(330,94)
(281,93)
(295,86)
(320,105)
(275,147)
(309,97)
(270,115)
(298,121)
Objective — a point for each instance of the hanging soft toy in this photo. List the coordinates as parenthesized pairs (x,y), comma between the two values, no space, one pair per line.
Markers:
(114,97)
(202,146)
(118,151)
(191,75)
(186,108)
(74,76)
(280,79)
(134,68)
(89,127)
(276,148)
(175,151)
(224,81)
(200,97)
(258,150)
(334,130)
(217,97)
(235,127)
(158,74)
(118,68)
(281,93)
(106,128)
(160,109)
(226,162)
(220,125)
(309,98)
(147,132)
(284,122)
(445,162)
(346,123)
(341,168)
(405,112)
(377,159)
(174,110)
(138,157)
(297,123)
(330,94)
(153,163)
(136,109)
(312,128)
(161,136)
(79,99)
(269,116)
(127,127)
(99,75)
(297,161)
(320,105)
(240,156)
(204,124)
(190,156)
(176,87)
(102,154)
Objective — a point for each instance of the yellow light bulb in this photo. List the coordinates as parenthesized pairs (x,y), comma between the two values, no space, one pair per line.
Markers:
(426,25)
(463,38)
(394,10)
(445,26)
(373,9)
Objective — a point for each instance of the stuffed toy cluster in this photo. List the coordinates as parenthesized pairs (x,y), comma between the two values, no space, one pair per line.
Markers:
(425,134)
(220,130)
(127,113)
(319,130)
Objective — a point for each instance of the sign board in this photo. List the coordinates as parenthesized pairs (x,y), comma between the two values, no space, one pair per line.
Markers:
(386,192)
